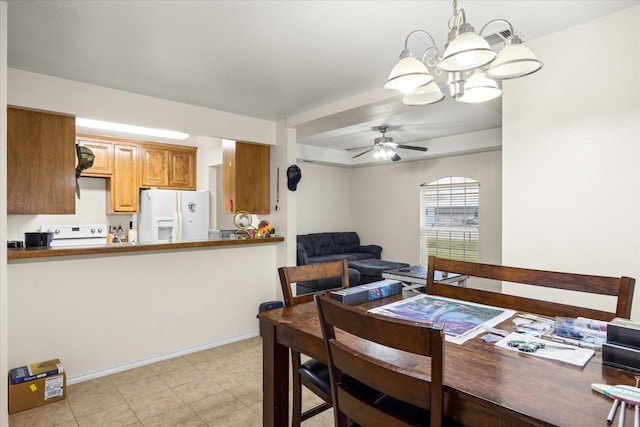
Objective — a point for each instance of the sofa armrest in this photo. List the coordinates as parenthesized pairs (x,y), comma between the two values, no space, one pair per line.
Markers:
(374,250)
(301,255)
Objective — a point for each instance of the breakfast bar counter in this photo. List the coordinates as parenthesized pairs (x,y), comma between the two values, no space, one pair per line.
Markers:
(119,248)
(108,308)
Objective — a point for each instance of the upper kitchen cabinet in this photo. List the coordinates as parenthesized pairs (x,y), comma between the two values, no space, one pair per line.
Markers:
(245,177)
(41,159)
(124,184)
(103,160)
(168,166)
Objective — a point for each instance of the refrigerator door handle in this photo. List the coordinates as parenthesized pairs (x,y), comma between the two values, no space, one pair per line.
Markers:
(177,213)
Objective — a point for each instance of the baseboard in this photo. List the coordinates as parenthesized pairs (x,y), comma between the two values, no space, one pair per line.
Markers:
(97,374)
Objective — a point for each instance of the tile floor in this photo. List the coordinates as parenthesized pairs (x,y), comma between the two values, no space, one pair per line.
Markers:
(217,387)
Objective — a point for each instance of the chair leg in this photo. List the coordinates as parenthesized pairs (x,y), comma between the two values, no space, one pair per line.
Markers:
(297,390)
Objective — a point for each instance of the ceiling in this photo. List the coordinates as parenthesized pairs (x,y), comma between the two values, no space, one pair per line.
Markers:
(271,59)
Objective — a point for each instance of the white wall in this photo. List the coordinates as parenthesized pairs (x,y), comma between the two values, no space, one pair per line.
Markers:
(385,207)
(100,314)
(571,154)
(96,102)
(324,198)
(382,203)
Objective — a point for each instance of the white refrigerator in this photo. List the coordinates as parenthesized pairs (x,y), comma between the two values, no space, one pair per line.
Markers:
(173,215)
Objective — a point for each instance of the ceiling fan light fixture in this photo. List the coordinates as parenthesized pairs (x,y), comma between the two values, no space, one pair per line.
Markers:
(384,153)
(424,95)
(514,60)
(408,73)
(479,88)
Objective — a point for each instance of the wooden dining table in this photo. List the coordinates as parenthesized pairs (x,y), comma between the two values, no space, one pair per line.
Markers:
(484,385)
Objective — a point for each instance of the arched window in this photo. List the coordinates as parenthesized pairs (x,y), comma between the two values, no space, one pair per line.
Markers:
(449,220)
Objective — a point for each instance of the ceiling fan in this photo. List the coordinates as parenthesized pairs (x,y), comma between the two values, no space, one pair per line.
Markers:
(384,148)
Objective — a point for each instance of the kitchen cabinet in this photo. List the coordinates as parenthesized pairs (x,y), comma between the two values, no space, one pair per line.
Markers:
(168,166)
(103,152)
(245,177)
(41,161)
(182,168)
(123,187)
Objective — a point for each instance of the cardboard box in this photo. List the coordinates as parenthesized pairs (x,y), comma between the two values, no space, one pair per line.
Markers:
(31,394)
(367,292)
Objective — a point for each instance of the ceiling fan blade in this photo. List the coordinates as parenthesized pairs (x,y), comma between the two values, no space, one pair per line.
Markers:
(358,148)
(411,147)
(364,152)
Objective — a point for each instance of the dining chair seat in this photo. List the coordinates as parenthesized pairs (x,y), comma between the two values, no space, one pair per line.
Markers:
(317,373)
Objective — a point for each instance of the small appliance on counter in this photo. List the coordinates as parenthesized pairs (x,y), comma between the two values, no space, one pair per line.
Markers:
(76,235)
(15,244)
(38,239)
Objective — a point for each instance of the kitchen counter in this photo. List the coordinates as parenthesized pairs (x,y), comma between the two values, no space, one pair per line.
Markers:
(117,248)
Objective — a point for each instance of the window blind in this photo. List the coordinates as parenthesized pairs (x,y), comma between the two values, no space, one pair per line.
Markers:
(449,219)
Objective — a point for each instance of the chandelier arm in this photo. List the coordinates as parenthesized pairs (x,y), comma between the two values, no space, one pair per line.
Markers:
(430,62)
(494,21)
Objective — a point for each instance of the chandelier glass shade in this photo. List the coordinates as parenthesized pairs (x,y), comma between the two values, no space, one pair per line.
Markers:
(515,60)
(479,88)
(467,52)
(408,73)
(423,95)
(469,62)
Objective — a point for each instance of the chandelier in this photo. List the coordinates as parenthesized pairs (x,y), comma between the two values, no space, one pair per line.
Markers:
(471,65)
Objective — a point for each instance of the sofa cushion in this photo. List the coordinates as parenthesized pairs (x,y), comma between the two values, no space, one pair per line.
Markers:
(323,244)
(332,257)
(305,240)
(358,255)
(346,241)
(301,255)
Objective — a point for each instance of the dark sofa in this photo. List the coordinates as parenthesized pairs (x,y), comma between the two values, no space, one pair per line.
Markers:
(325,247)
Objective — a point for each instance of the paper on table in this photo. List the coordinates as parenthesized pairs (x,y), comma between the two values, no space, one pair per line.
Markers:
(463,319)
(579,356)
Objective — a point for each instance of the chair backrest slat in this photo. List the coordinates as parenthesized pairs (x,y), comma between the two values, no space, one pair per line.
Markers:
(620,287)
(305,273)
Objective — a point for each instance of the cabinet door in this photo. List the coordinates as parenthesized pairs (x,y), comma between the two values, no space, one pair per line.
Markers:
(41,162)
(124,183)
(183,169)
(246,177)
(155,166)
(103,161)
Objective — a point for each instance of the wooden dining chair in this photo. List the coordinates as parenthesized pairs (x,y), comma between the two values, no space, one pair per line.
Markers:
(313,374)
(620,287)
(407,399)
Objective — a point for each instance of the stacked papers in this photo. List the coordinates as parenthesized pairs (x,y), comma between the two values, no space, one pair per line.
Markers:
(553,350)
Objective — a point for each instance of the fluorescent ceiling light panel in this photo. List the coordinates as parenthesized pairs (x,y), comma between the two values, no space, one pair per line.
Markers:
(138,130)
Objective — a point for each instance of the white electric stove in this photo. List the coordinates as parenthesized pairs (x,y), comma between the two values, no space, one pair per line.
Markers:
(77,235)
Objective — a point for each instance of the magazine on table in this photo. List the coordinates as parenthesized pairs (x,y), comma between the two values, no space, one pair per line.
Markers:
(463,320)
